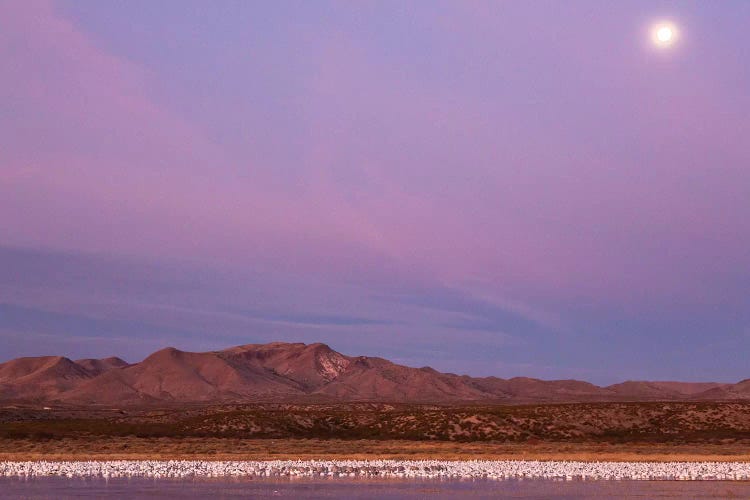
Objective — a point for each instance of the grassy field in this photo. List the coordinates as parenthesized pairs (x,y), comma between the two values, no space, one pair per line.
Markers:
(601,431)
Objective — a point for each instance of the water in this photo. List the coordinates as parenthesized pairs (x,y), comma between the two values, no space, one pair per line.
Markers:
(55,487)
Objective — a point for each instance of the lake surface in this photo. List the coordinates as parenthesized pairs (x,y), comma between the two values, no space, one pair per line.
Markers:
(54,487)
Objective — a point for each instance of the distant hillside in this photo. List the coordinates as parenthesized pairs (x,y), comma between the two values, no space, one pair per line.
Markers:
(287,372)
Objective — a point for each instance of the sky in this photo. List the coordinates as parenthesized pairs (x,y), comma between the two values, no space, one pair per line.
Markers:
(491,188)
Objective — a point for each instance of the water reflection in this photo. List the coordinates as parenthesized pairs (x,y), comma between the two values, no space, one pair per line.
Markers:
(51,487)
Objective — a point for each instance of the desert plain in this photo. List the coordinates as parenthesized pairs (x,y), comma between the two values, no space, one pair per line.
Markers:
(601,431)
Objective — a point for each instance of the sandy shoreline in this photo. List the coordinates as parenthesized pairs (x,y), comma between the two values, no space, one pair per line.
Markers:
(213,449)
(368,469)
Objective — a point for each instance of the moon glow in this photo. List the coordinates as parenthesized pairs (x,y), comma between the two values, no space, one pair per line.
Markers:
(664,34)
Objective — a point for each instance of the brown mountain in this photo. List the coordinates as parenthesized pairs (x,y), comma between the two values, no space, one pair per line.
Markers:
(664,390)
(740,390)
(99,366)
(283,372)
(45,377)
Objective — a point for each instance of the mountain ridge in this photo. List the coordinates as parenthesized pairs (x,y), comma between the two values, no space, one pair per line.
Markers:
(280,371)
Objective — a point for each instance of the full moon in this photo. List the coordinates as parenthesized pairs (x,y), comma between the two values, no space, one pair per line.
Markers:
(664,34)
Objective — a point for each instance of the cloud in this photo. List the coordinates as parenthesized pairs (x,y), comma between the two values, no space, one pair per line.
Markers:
(27,329)
(311,319)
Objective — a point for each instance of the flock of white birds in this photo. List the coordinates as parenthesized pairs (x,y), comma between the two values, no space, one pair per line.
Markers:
(417,469)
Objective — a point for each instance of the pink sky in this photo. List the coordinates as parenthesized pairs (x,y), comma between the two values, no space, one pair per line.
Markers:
(536,156)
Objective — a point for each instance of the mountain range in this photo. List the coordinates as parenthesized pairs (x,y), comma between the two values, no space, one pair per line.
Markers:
(279,372)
